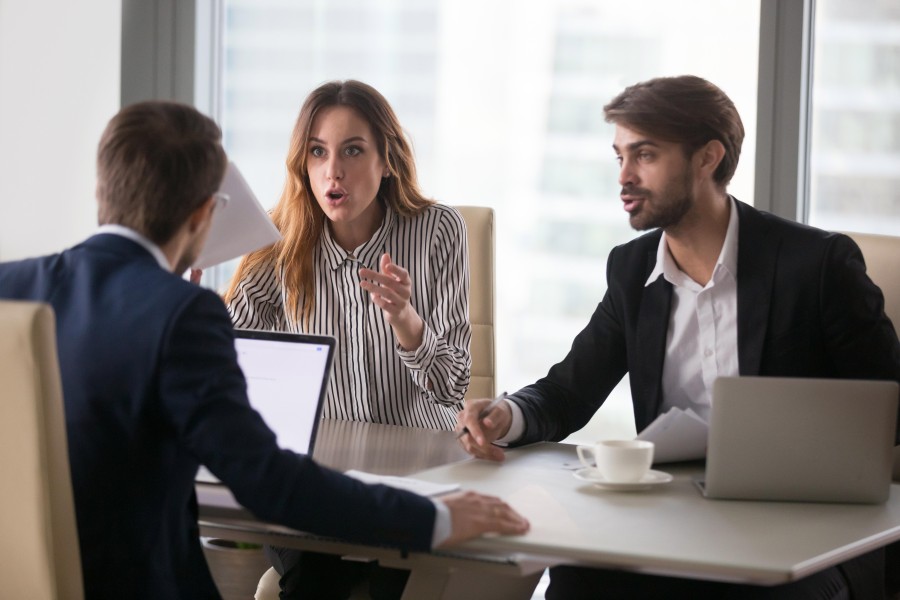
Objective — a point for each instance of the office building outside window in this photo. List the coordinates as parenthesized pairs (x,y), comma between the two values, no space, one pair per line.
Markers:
(855,142)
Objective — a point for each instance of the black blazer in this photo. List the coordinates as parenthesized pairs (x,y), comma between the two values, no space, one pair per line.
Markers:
(806,308)
(152,388)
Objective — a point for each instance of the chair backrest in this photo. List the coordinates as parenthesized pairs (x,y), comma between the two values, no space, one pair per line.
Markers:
(39,556)
(882,254)
(480,226)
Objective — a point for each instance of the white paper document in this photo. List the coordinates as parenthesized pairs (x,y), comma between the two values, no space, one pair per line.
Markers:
(423,488)
(677,435)
(239,227)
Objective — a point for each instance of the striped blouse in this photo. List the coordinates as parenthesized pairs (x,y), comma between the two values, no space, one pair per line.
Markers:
(373,378)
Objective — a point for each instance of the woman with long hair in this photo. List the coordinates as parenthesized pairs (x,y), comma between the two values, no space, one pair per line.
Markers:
(366,258)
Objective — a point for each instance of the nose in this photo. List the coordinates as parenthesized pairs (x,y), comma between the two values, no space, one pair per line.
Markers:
(334,170)
(627,173)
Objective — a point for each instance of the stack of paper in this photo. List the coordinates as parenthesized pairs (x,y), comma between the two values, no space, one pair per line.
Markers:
(423,488)
(677,435)
(239,227)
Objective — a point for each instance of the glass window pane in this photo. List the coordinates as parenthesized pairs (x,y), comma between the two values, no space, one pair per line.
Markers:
(504,104)
(855,143)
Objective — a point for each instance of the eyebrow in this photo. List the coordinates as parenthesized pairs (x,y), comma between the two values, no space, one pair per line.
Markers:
(356,138)
(638,144)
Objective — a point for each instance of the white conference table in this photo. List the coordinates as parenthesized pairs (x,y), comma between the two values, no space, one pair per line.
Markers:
(669,529)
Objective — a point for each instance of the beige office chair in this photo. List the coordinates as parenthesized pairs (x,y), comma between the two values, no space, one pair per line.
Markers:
(480,227)
(882,254)
(39,556)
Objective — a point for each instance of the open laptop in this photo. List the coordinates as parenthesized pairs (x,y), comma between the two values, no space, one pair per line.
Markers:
(808,440)
(287,379)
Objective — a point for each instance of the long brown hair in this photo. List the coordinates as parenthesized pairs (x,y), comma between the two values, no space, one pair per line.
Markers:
(297,214)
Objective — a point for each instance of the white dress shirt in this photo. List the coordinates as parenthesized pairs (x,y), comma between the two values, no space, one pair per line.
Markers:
(701,343)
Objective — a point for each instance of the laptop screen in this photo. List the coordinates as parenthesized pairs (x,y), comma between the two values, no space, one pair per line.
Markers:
(287,379)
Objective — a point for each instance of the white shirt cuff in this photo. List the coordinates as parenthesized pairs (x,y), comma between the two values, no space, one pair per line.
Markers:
(516,428)
(442,524)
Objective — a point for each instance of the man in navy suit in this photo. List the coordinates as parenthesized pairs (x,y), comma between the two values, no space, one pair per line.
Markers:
(716,288)
(152,386)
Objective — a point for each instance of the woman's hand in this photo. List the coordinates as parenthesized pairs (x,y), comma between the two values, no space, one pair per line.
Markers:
(391,290)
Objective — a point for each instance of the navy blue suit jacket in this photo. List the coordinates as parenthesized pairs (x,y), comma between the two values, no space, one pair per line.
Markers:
(152,388)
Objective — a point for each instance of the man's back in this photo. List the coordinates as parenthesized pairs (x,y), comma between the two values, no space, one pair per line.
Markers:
(114,308)
(152,388)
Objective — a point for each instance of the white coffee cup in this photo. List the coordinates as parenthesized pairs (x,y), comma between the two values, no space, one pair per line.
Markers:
(618,461)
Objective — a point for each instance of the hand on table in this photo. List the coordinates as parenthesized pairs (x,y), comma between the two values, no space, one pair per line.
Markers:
(391,290)
(473,514)
(482,432)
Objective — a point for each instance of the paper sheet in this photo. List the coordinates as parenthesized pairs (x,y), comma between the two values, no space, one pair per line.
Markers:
(677,435)
(239,227)
(545,513)
(418,486)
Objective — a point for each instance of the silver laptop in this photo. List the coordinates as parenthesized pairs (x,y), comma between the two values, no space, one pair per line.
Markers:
(287,380)
(808,440)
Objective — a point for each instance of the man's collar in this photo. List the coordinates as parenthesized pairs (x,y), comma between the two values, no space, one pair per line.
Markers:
(665,264)
(136,237)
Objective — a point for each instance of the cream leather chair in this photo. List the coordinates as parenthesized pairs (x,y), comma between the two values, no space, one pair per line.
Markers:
(882,254)
(480,227)
(39,556)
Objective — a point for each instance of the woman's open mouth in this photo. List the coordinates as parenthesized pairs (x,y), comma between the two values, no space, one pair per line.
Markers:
(335,196)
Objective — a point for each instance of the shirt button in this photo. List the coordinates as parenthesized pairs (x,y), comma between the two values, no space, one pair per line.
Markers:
(707,353)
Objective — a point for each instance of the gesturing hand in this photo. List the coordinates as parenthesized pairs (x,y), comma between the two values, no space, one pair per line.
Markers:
(391,290)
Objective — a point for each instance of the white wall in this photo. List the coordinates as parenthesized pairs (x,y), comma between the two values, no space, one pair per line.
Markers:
(59,85)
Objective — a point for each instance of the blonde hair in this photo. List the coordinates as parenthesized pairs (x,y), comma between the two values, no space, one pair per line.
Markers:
(297,214)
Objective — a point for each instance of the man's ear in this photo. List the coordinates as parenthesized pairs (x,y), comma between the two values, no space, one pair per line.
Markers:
(201,214)
(709,157)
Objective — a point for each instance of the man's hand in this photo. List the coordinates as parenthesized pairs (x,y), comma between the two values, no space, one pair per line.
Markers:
(472,515)
(482,432)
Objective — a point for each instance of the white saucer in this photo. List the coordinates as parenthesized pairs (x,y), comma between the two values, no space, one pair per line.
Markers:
(652,478)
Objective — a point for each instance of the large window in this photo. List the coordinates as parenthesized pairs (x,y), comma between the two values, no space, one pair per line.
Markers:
(855,150)
(503,102)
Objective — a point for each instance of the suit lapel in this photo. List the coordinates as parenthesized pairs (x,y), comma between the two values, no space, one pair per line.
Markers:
(652,328)
(757,254)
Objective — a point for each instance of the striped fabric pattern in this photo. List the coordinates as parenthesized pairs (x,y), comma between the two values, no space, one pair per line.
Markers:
(373,379)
